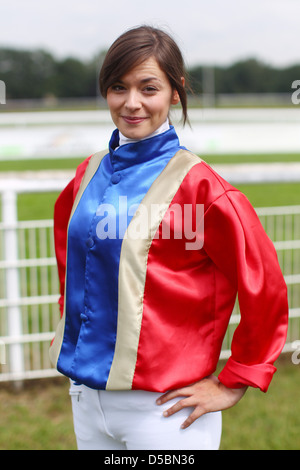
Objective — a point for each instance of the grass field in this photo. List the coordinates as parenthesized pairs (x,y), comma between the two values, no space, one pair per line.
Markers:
(31,207)
(39,417)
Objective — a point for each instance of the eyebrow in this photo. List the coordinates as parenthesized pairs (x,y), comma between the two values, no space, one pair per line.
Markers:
(150,79)
(145,80)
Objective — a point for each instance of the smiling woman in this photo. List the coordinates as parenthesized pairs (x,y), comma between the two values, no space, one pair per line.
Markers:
(144,316)
(139,103)
(134,48)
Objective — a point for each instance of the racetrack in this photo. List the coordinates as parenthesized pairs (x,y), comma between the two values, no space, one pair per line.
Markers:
(59,134)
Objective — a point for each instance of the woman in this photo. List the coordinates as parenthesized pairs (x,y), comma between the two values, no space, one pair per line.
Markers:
(152,248)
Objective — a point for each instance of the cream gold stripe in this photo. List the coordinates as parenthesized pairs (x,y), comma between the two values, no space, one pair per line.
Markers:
(91,169)
(133,266)
(88,175)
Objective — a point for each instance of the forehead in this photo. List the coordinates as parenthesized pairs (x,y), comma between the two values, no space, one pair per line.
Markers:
(149,69)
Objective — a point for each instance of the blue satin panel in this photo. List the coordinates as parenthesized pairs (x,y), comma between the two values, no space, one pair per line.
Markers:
(93,263)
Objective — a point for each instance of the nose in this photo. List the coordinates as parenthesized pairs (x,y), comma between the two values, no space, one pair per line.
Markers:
(133,102)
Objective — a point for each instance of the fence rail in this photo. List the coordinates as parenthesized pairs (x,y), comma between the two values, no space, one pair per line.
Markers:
(29,287)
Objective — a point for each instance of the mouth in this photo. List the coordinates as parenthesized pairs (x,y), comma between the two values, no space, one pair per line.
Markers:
(134,119)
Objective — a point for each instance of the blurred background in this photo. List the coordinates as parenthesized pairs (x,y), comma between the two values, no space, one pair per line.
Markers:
(243,62)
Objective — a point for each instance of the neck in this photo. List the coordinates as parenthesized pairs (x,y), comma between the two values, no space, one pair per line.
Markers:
(163,128)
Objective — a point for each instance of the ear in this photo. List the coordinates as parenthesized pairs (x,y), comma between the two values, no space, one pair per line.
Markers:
(175,96)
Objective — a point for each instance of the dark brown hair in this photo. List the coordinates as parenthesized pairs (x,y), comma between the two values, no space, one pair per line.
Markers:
(137,45)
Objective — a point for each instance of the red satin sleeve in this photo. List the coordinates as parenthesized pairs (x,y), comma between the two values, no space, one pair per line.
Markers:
(237,243)
(62,211)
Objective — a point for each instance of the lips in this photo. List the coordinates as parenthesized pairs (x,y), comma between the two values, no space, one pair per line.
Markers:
(133,119)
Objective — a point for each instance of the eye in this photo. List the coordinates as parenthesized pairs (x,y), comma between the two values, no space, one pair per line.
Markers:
(150,89)
(117,88)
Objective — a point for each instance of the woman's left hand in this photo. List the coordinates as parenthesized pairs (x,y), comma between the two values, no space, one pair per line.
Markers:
(206,396)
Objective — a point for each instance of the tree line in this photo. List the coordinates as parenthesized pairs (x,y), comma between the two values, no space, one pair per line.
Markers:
(38,74)
(247,76)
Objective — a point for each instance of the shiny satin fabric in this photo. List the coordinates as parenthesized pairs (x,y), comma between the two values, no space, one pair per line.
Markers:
(147,313)
(91,309)
(134,267)
(191,295)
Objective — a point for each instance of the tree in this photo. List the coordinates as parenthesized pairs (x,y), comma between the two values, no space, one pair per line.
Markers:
(27,74)
(37,74)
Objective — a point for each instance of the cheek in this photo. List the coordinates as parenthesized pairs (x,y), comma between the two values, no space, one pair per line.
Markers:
(112,102)
(160,106)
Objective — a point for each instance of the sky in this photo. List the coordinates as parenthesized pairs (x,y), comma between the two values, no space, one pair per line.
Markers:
(212,32)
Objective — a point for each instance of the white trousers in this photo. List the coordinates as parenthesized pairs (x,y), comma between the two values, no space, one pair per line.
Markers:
(131,420)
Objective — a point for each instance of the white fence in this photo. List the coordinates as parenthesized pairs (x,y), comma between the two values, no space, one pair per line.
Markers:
(29,283)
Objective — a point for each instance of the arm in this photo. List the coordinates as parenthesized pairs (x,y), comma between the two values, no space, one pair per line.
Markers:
(239,247)
(62,211)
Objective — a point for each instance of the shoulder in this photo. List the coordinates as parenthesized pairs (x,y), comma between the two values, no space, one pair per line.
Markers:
(88,165)
(66,198)
(200,179)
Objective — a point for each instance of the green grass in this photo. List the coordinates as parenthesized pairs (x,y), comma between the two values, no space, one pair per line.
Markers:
(33,206)
(43,164)
(37,418)
(250,158)
(272,194)
(36,206)
(72,163)
(268,421)
(40,416)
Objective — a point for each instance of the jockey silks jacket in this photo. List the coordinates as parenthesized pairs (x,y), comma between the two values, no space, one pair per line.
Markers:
(153,247)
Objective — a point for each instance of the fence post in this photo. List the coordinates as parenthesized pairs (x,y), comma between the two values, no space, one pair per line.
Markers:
(12,284)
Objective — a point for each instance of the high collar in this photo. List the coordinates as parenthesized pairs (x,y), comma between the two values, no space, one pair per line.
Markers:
(142,151)
(163,128)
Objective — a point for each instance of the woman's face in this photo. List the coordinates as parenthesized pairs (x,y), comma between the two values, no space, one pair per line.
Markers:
(139,103)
